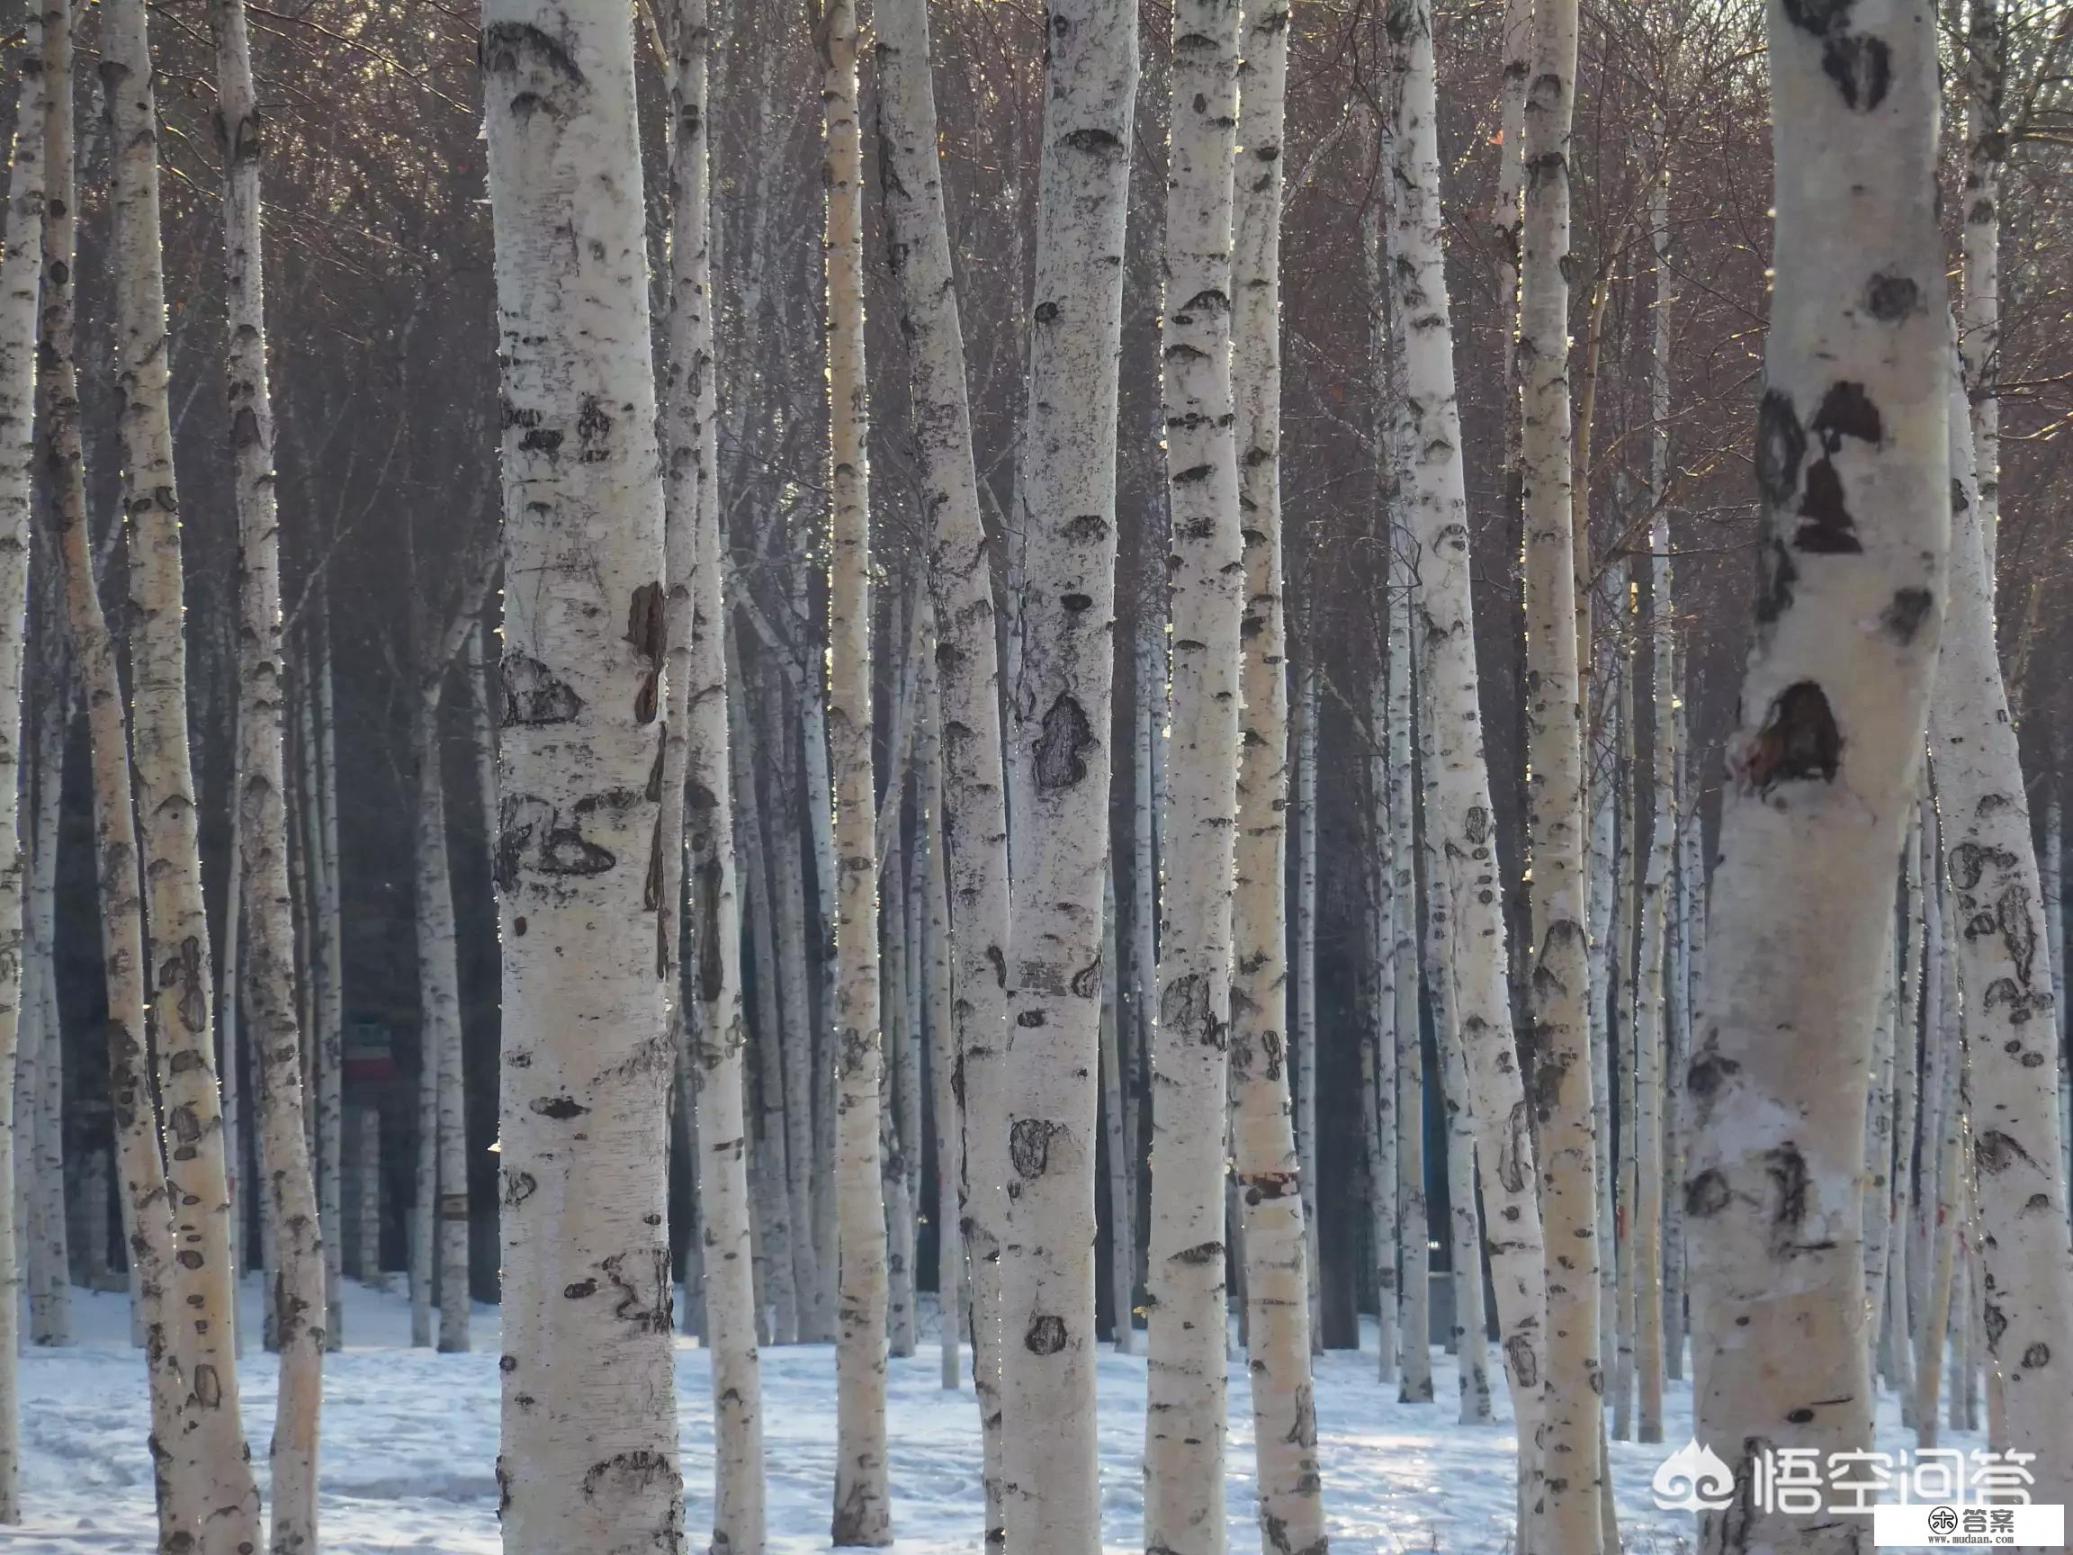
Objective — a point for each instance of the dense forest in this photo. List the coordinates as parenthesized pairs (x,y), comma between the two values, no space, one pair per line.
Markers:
(709,697)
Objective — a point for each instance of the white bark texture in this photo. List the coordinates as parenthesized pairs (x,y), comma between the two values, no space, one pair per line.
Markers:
(974,838)
(1437,507)
(1600,858)
(2027,1307)
(424,1210)
(1185,1409)
(1984,67)
(1388,862)
(862,1509)
(367,1224)
(330,933)
(946,1074)
(697,820)
(1823,766)
(1414,1313)
(1121,1217)
(1065,492)
(18,291)
(1569,1471)
(589,1452)
(892,1136)
(2050,867)
(212,1451)
(1465,1245)
(1277,1282)
(50,1310)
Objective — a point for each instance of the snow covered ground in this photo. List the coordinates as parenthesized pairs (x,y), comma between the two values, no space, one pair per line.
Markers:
(410,1440)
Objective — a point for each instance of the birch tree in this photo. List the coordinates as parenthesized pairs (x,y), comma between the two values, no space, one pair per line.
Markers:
(2027,1289)
(1822,765)
(1065,494)
(18,292)
(201,1289)
(1461,814)
(1277,1275)
(589,1449)
(1185,1413)
(296,1267)
(1985,76)
(863,1511)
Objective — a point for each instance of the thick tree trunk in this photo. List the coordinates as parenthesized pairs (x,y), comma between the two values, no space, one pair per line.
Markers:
(975,825)
(1461,813)
(2021,1196)
(18,289)
(1568,1471)
(212,1453)
(1277,1282)
(589,1455)
(862,1508)
(1066,499)
(1185,1419)
(1853,470)
(696,825)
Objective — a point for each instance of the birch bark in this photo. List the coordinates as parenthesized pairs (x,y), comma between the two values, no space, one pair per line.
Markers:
(1569,1470)
(696,825)
(589,1452)
(1413,1230)
(1823,765)
(51,1315)
(212,1454)
(1065,495)
(1275,1220)
(1303,1050)
(1985,69)
(18,295)
(1185,1410)
(862,1511)
(1461,815)
(2027,1289)
(974,836)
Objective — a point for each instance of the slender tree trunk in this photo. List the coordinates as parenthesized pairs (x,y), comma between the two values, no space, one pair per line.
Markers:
(1690,895)
(331,983)
(1878,1152)
(2050,867)
(1812,817)
(202,1290)
(1901,1305)
(1569,1471)
(51,1309)
(1939,1147)
(773,1160)
(1275,1219)
(1066,499)
(1388,858)
(788,804)
(1121,1210)
(1625,1017)
(1465,1246)
(1413,1229)
(368,1227)
(289,1219)
(820,820)
(946,1074)
(696,826)
(863,1511)
(446,1163)
(1461,812)
(424,1216)
(2028,1266)
(1601,861)
(586,1045)
(1985,69)
(1303,1049)
(1185,1421)
(894,1142)
(18,292)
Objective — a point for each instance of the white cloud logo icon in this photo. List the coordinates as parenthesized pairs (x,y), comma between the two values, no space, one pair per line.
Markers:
(1693,1479)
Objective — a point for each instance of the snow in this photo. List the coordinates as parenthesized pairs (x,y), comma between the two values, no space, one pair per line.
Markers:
(410,1440)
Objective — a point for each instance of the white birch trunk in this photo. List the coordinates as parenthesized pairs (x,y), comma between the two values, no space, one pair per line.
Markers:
(1939,1022)
(1275,1219)
(291,1236)
(2011,1018)
(18,293)
(893,1137)
(1065,493)
(51,1309)
(1601,863)
(1984,66)
(367,1227)
(331,985)
(212,1454)
(1465,1246)
(1878,1150)
(1185,1411)
(1121,1211)
(820,820)
(696,825)
(1690,897)
(946,1078)
(589,1448)
(1567,1470)
(424,1211)
(862,1508)
(772,1155)
(1461,814)
(1901,1306)
(1303,1049)
(440,1023)
(1413,1230)
(1388,860)
(1625,1014)
(974,833)
(1824,764)
(2050,879)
